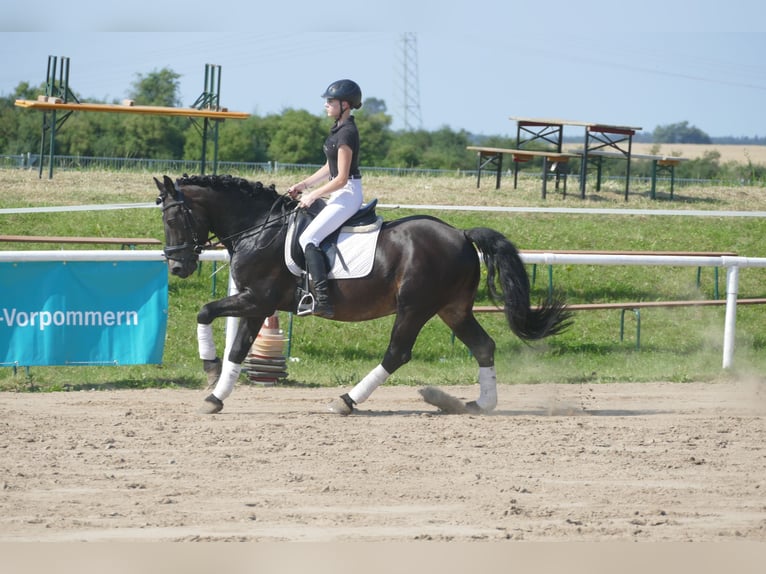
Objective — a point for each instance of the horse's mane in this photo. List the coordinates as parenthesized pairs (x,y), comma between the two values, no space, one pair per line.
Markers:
(254,189)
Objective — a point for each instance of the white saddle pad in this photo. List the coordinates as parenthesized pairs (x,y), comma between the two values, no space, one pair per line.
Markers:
(356,251)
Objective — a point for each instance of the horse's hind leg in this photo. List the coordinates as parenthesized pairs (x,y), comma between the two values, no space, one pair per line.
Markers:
(466,328)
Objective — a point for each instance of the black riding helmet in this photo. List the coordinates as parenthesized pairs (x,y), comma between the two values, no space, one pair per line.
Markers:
(346,91)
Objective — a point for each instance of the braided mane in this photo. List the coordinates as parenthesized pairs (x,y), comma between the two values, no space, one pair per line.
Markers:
(228,183)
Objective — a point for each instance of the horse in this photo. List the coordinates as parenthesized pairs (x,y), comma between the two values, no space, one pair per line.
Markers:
(422,267)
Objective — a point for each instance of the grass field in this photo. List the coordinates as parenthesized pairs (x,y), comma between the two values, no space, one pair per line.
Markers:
(678,344)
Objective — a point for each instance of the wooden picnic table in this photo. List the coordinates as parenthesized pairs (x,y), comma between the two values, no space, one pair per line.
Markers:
(598,137)
(660,163)
(492,158)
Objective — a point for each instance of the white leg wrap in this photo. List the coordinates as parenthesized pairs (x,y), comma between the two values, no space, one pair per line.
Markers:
(487,388)
(363,389)
(205,342)
(229,375)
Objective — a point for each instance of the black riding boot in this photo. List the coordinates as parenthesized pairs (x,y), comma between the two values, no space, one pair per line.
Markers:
(317,268)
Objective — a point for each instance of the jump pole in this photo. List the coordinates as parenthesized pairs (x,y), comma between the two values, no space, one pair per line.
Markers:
(730,321)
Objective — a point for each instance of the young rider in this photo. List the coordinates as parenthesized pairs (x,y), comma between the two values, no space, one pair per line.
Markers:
(341,184)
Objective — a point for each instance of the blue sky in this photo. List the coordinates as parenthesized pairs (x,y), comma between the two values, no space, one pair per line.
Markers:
(479,63)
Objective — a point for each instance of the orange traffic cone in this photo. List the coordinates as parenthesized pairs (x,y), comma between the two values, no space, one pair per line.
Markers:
(266,363)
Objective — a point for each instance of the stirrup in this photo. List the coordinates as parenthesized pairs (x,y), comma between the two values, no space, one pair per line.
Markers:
(305,305)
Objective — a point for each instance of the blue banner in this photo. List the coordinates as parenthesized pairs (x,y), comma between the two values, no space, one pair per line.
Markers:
(83,312)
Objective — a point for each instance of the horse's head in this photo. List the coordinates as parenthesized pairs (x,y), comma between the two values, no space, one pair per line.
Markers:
(185,233)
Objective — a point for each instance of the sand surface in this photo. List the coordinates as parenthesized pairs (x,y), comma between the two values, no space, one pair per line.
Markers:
(613,462)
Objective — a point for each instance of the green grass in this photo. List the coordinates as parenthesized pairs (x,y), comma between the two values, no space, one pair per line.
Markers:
(683,344)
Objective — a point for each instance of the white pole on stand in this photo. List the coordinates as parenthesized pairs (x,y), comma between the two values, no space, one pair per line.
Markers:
(730,322)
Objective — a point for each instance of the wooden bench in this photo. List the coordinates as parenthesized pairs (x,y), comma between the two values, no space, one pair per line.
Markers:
(660,163)
(607,252)
(129,242)
(492,158)
(636,307)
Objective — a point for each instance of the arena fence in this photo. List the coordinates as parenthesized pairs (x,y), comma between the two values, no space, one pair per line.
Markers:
(731,264)
(178,166)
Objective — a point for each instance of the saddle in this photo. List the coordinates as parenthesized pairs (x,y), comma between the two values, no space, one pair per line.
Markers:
(360,221)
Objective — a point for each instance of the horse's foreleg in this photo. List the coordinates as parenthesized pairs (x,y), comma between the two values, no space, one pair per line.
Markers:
(223,375)
(211,363)
(231,366)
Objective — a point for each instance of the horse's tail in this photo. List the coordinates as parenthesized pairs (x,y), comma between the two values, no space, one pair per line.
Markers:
(503,260)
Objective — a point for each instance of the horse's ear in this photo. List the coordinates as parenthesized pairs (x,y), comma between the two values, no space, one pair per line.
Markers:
(170,187)
(161,188)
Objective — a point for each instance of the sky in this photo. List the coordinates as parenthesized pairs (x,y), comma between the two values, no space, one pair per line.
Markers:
(472,67)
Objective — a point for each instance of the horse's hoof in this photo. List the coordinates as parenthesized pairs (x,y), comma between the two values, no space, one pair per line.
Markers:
(472,408)
(212,371)
(343,405)
(211,405)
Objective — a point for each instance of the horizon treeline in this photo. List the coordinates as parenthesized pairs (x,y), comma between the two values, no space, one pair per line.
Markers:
(294,136)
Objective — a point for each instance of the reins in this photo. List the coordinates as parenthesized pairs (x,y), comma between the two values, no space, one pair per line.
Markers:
(259,228)
(198,246)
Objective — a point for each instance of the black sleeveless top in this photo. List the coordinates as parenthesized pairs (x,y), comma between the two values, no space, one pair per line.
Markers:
(344,134)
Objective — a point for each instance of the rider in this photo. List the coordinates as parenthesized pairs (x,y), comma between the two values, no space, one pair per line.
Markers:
(342,182)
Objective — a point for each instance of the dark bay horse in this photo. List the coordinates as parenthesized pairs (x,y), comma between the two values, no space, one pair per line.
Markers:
(422,267)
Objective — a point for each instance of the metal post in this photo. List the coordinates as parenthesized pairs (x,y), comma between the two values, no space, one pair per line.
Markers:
(584,164)
(50,80)
(205,123)
(627,169)
(211,99)
(217,123)
(672,180)
(599,166)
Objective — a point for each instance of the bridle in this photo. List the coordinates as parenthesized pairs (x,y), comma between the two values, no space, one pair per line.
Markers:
(190,231)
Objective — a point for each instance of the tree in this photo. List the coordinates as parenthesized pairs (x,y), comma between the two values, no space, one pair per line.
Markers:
(407,149)
(20,129)
(298,138)
(155,136)
(374,132)
(680,133)
(238,140)
(373,106)
(158,88)
(447,150)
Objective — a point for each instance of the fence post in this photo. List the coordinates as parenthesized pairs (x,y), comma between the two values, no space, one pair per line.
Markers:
(730,322)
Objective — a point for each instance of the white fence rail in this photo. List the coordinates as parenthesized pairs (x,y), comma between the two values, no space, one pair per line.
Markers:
(732,265)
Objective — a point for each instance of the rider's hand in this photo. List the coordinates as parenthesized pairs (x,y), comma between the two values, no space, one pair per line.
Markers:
(297,189)
(306,201)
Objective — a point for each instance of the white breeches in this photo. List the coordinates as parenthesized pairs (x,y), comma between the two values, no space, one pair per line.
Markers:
(341,205)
